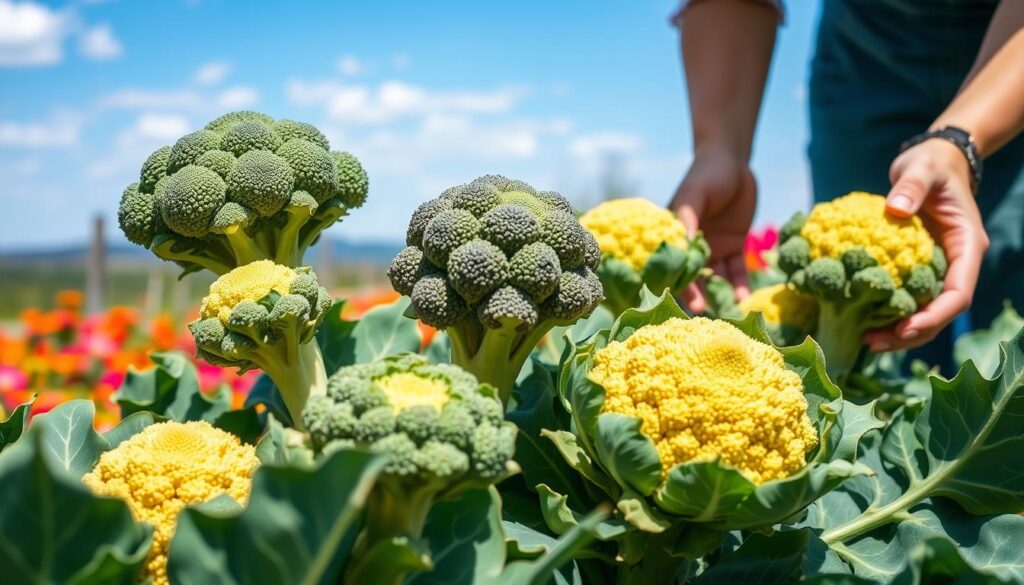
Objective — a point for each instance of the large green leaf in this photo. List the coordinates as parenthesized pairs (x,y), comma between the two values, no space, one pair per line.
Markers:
(15,425)
(52,528)
(982,345)
(964,444)
(381,332)
(294,530)
(467,544)
(67,436)
(171,390)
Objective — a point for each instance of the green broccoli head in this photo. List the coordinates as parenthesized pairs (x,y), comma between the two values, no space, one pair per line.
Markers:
(866,269)
(264,316)
(440,431)
(498,265)
(244,188)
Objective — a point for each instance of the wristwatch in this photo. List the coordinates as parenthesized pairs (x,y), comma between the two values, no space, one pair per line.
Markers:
(959,137)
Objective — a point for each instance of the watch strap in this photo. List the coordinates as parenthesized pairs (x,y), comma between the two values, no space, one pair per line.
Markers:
(962,140)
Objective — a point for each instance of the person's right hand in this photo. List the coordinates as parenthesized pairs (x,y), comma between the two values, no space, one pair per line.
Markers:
(718,195)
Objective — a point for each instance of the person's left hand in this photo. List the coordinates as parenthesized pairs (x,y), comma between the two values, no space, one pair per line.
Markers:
(933,180)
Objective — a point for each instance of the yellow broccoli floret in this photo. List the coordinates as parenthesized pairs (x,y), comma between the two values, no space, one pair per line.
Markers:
(782,304)
(859,220)
(632,229)
(168,466)
(251,282)
(703,389)
(406,389)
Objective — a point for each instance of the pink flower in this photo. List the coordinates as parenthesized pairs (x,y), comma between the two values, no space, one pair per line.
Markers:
(757,243)
(11,378)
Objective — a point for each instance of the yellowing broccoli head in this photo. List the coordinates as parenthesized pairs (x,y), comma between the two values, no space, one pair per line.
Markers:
(703,389)
(782,304)
(168,466)
(250,282)
(632,229)
(405,389)
(859,220)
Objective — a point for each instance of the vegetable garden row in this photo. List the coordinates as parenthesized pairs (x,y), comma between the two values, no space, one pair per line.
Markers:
(571,423)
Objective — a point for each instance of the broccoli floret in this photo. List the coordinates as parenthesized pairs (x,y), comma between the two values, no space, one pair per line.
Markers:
(865,268)
(244,188)
(498,265)
(435,426)
(258,316)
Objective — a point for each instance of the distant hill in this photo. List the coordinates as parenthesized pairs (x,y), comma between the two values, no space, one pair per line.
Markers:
(121,252)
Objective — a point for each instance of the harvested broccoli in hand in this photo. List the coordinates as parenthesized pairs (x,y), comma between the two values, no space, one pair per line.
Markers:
(244,188)
(498,265)
(440,430)
(866,268)
(264,316)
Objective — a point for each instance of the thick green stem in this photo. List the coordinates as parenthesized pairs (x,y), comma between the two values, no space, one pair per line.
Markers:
(391,513)
(214,265)
(244,249)
(492,363)
(324,218)
(657,565)
(839,332)
(288,251)
(298,377)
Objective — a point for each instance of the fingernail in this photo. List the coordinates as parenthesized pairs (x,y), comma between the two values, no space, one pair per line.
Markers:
(910,334)
(900,202)
(880,346)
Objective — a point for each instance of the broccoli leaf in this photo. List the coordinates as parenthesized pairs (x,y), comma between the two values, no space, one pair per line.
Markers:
(383,331)
(982,345)
(52,528)
(302,516)
(466,541)
(957,452)
(171,390)
(15,425)
(67,435)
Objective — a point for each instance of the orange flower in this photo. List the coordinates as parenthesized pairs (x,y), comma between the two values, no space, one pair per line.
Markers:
(70,299)
(357,305)
(163,332)
(12,351)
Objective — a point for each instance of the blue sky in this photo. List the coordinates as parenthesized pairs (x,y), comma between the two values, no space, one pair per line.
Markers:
(427,95)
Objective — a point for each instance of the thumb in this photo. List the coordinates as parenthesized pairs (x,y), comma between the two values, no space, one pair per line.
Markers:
(910,189)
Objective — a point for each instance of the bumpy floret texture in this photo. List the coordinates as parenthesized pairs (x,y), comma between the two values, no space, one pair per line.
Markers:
(782,304)
(632,229)
(494,234)
(168,466)
(257,316)
(423,417)
(242,159)
(703,389)
(251,282)
(859,220)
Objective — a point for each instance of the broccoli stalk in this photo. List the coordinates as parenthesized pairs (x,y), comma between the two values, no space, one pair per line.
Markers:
(440,431)
(264,316)
(243,189)
(497,265)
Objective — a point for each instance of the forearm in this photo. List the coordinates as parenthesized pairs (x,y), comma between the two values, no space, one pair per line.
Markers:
(990,105)
(727,48)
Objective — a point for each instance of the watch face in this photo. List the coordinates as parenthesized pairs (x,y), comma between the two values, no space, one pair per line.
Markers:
(957,133)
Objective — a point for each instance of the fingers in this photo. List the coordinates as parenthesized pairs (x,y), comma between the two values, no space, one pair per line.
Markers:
(911,185)
(693,299)
(689,205)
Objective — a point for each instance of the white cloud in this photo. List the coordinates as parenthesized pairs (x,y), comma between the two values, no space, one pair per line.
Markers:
(184,99)
(149,131)
(350,65)
(31,34)
(62,129)
(590,146)
(393,100)
(212,73)
(99,43)
(235,98)
(188,100)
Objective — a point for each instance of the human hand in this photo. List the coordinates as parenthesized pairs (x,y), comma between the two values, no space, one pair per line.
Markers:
(933,180)
(718,195)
